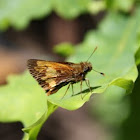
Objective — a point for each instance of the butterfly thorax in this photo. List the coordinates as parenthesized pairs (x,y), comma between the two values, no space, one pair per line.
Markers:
(86,66)
(81,70)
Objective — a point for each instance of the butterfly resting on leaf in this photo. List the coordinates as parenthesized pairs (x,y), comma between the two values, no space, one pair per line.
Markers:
(54,75)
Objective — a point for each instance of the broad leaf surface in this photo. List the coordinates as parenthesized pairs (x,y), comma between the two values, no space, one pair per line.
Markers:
(18,99)
(23,100)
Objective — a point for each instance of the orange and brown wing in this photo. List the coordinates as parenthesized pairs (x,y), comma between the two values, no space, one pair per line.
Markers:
(50,75)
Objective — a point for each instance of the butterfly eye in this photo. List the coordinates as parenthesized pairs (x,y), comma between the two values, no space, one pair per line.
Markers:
(86,69)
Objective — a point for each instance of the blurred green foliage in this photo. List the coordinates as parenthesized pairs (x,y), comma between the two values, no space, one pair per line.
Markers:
(64,49)
(123,5)
(137,55)
(19,13)
(130,127)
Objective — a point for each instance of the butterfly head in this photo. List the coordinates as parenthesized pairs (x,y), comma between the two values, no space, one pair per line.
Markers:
(86,67)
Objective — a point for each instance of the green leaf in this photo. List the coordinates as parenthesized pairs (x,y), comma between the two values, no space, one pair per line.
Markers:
(126,84)
(137,56)
(20,99)
(18,13)
(64,49)
(23,100)
(70,8)
(130,127)
(123,5)
(117,41)
(97,6)
(32,131)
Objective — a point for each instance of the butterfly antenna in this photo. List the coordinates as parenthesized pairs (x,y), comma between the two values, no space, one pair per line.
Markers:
(99,72)
(92,53)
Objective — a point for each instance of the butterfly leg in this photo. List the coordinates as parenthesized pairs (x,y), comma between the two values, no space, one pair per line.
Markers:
(66,90)
(72,89)
(88,85)
(81,83)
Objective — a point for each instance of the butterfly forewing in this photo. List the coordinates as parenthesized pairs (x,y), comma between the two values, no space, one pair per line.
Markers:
(50,75)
